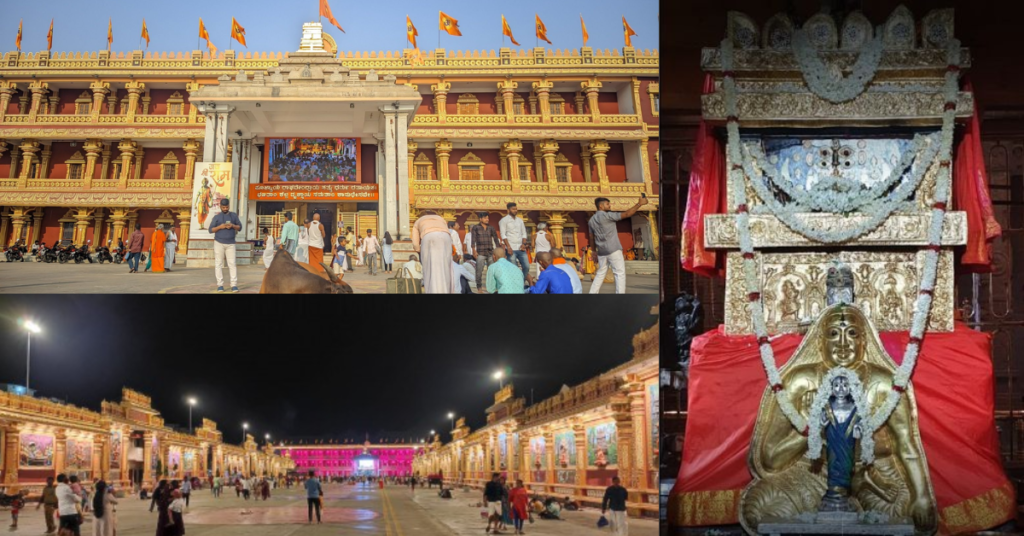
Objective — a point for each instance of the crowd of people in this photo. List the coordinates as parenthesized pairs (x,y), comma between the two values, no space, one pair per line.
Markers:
(300,166)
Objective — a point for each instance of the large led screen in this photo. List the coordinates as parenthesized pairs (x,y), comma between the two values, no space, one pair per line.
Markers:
(312,160)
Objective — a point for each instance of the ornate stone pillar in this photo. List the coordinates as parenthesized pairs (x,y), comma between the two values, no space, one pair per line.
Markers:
(137,170)
(15,158)
(503,163)
(81,225)
(100,457)
(100,90)
(638,410)
(626,442)
(5,223)
(184,223)
(145,103)
(513,151)
(112,102)
(549,148)
(591,88)
(580,435)
(23,101)
(440,90)
(538,162)
(147,457)
(7,91)
(556,221)
(412,147)
(93,148)
(133,216)
(533,103)
(54,101)
(105,163)
(599,150)
(543,90)
(191,152)
(580,99)
(443,147)
(38,91)
(97,232)
(508,93)
(4,146)
(60,451)
(585,156)
(135,90)
(127,148)
(12,446)
(29,148)
(550,463)
(645,160)
(42,170)
(37,223)
(118,219)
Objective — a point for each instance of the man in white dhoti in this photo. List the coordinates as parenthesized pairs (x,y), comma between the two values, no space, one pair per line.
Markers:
(269,247)
(430,238)
(170,247)
(302,252)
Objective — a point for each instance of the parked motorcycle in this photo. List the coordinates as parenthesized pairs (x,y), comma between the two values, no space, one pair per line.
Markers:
(103,254)
(16,501)
(49,254)
(15,253)
(82,254)
(66,254)
(119,253)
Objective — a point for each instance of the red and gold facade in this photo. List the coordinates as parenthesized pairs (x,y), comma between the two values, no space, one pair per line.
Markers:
(570,445)
(125,442)
(92,143)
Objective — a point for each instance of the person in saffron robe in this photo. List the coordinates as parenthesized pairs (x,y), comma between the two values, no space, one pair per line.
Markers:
(158,250)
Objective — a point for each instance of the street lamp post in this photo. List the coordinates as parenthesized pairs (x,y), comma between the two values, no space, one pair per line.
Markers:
(500,376)
(267,438)
(30,328)
(245,426)
(451,417)
(191,404)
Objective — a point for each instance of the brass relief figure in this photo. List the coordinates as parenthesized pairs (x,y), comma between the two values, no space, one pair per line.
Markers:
(891,303)
(787,484)
(789,303)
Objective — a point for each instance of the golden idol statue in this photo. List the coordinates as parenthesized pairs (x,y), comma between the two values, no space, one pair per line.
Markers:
(788,485)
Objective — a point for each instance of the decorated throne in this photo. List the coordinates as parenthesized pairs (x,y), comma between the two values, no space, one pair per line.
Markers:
(837,183)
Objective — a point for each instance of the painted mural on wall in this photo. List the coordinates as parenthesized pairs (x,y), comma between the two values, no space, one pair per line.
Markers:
(602,445)
(503,451)
(212,182)
(115,449)
(565,450)
(154,455)
(189,462)
(79,455)
(36,451)
(174,463)
(537,452)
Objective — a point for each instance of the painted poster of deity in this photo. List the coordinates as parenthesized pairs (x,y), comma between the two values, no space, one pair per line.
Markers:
(565,450)
(115,449)
(36,451)
(602,445)
(654,401)
(503,451)
(212,182)
(188,462)
(537,452)
(79,455)
(173,462)
(154,455)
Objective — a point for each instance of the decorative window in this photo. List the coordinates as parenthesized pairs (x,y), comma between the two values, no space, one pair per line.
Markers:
(175,104)
(518,107)
(569,241)
(468,104)
(471,168)
(124,106)
(76,166)
(654,93)
(423,167)
(83,104)
(562,167)
(556,104)
(115,171)
(169,167)
(524,172)
(518,104)
(67,232)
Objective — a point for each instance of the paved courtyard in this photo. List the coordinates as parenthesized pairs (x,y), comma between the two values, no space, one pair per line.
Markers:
(394,511)
(40,278)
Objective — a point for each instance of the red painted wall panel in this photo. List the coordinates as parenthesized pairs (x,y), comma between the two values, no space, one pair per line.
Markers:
(616,163)
(368,166)
(426,105)
(652,156)
(608,102)
(61,152)
(645,103)
(151,162)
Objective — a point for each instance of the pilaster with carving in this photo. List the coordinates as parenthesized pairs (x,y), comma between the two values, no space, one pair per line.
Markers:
(440,90)
(550,463)
(118,219)
(513,151)
(193,110)
(29,148)
(645,160)
(127,148)
(112,102)
(412,147)
(580,101)
(38,91)
(585,157)
(7,92)
(146,99)
(147,458)
(557,221)
(60,450)
(100,90)
(508,93)
(37,224)
(12,446)
(184,224)
(100,456)
(503,163)
(82,217)
(599,150)
(15,158)
(591,88)
(543,91)
(135,91)
(580,435)
(443,147)
(42,170)
(4,146)
(626,437)
(93,148)
(105,162)
(19,216)
(638,410)
(97,232)
(549,148)
(191,153)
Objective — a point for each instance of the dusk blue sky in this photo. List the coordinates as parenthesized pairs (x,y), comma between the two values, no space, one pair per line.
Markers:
(277,26)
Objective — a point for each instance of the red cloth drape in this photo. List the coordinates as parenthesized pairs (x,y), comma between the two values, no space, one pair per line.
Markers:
(970,194)
(706,195)
(953,384)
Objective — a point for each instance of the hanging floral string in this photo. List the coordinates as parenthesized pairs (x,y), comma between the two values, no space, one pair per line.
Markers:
(922,307)
(828,82)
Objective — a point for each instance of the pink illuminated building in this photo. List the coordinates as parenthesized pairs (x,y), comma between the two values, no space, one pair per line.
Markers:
(351,459)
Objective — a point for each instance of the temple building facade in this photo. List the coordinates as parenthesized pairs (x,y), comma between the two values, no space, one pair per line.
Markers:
(92,143)
(125,443)
(569,445)
(344,460)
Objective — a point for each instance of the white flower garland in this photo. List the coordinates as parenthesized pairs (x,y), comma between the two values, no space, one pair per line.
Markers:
(922,306)
(814,419)
(827,82)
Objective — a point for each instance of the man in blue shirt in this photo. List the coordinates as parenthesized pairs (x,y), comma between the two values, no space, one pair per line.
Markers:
(551,280)
(313,493)
(289,234)
(224,228)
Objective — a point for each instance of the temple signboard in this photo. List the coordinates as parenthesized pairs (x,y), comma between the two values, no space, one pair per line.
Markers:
(324,191)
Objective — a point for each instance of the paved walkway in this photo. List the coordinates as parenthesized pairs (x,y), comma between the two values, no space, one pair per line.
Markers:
(39,278)
(461,515)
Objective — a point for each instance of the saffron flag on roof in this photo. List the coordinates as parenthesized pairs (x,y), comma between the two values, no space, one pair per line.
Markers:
(145,32)
(410,31)
(237,32)
(17,40)
(449,25)
(627,31)
(506,30)
(325,11)
(586,36)
(542,31)
(49,37)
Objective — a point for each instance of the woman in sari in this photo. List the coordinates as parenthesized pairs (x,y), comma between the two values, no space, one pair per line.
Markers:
(157,249)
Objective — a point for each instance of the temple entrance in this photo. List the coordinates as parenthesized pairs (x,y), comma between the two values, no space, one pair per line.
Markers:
(327,218)
(365,465)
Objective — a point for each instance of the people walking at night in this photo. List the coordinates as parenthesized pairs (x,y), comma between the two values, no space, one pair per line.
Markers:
(246,488)
(605,237)
(314,493)
(186,491)
(558,261)
(67,506)
(492,500)
(103,521)
(157,251)
(520,500)
(302,252)
(289,234)
(269,247)
(431,239)
(550,280)
(485,239)
(48,501)
(225,227)
(514,235)
(372,246)
(135,244)
(388,253)
(506,504)
(175,509)
(217,486)
(614,503)
(170,248)
(316,242)
(161,488)
(503,277)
